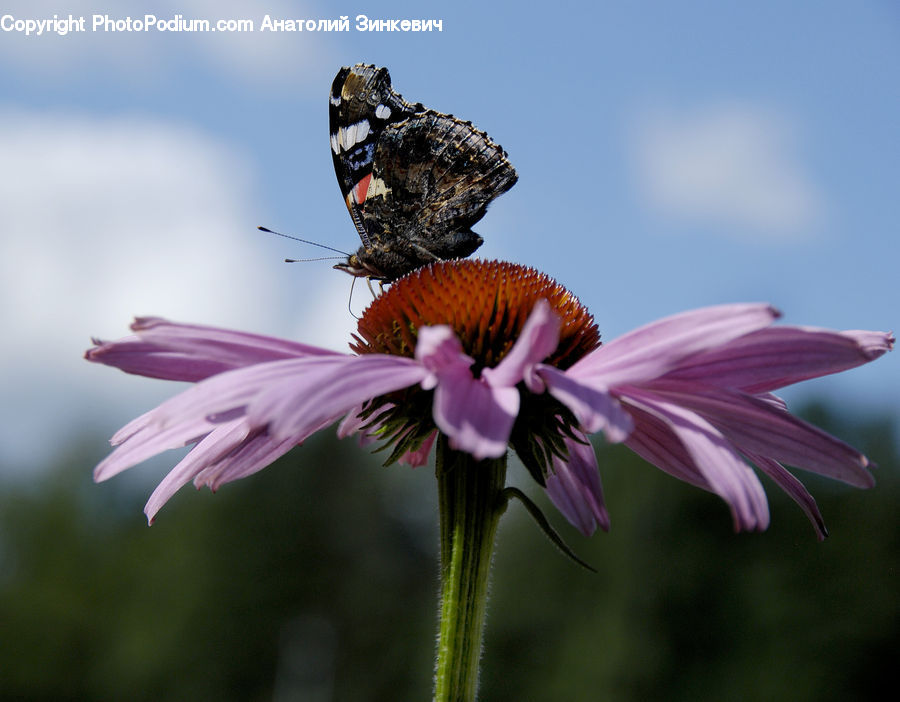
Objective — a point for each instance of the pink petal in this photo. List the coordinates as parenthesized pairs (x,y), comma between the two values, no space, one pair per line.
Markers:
(419,457)
(538,339)
(477,418)
(772,358)
(795,489)
(233,389)
(314,392)
(213,447)
(872,343)
(134,426)
(439,351)
(757,426)
(773,400)
(594,408)
(574,488)
(187,352)
(710,455)
(258,451)
(138,357)
(311,392)
(654,440)
(354,423)
(660,346)
(148,442)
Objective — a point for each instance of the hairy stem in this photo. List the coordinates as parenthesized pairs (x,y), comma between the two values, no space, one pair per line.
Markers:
(471,500)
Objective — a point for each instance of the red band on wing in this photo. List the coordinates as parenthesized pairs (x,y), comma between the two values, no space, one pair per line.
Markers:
(361,189)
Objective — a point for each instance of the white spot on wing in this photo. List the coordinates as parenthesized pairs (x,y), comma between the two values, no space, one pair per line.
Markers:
(377,187)
(382,112)
(335,144)
(335,100)
(348,137)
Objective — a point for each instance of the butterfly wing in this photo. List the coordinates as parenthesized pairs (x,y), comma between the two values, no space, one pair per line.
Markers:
(414,180)
(433,178)
(362,103)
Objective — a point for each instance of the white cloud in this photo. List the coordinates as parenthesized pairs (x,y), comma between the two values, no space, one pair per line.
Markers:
(103,219)
(254,57)
(731,166)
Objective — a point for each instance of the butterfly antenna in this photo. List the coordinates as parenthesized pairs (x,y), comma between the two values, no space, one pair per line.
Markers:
(304,241)
(307,260)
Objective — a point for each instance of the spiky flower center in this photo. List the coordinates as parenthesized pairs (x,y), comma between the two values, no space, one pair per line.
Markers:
(486,303)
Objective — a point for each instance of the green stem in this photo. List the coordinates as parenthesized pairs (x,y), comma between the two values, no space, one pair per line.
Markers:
(471,500)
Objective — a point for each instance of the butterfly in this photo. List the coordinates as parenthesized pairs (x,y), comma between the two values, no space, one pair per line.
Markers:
(414,180)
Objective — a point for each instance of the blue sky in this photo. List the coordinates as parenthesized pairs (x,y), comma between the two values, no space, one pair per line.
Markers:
(671,155)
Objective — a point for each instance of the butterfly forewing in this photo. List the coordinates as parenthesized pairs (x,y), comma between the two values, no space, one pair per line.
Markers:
(361,105)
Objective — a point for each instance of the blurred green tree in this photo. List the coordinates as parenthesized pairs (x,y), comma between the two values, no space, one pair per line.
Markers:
(316,580)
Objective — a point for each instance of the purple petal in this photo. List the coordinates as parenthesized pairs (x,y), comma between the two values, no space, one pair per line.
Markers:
(255,453)
(872,343)
(188,352)
(296,396)
(538,339)
(660,346)
(419,457)
(795,489)
(654,440)
(354,423)
(212,448)
(476,417)
(759,427)
(772,358)
(245,347)
(704,452)
(594,408)
(574,488)
(223,393)
(138,357)
(440,352)
(311,393)
(134,426)
(773,400)
(147,442)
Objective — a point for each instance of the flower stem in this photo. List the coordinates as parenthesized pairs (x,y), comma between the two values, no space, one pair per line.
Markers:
(470,495)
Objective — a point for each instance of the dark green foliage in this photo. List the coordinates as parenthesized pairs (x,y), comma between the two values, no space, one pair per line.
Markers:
(218,598)
(320,573)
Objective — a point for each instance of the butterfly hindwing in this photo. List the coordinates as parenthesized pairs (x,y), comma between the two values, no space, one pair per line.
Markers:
(435,176)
